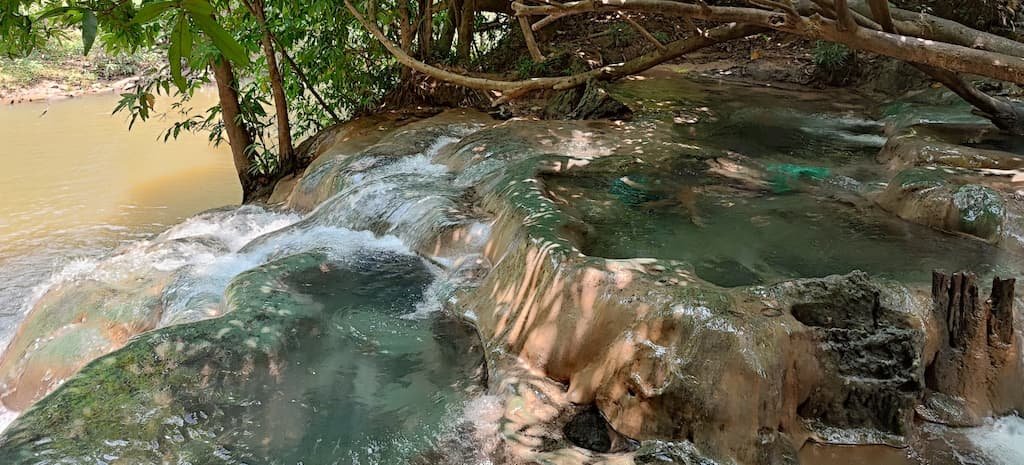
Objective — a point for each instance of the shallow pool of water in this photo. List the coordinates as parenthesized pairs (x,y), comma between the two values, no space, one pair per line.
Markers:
(736,238)
(318,362)
(764,185)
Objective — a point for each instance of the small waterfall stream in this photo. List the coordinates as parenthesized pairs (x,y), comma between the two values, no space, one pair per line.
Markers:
(325,342)
(317,330)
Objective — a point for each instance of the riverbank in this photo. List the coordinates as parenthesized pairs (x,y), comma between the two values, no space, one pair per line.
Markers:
(60,71)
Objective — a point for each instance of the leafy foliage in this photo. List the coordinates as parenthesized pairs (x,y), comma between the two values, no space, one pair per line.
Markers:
(343,64)
(830,56)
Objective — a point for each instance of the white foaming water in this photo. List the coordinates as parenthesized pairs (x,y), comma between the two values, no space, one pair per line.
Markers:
(196,290)
(191,264)
(410,195)
(1002,440)
(6,418)
(234,228)
(198,240)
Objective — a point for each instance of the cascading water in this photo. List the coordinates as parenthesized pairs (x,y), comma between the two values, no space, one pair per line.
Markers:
(262,336)
(340,324)
(1002,440)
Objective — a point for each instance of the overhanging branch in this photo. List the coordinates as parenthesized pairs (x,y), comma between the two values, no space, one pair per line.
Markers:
(511,89)
(930,52)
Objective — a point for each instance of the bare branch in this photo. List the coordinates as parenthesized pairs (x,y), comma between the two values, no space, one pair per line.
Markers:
(643,31)
(531,43)
(511,89)
(953,57)
(927,26)
(546,21)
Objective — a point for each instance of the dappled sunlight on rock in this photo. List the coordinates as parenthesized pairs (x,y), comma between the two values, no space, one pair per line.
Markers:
(712,280)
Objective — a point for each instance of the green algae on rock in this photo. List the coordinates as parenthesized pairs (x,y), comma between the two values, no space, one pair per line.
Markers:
(325,336)
(645,307)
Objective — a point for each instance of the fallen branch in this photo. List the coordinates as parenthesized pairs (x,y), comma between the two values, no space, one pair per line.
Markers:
(643,31)
(512,89)
(531,43)
(1005,115)
(926,26)
(546,21)
(948,56)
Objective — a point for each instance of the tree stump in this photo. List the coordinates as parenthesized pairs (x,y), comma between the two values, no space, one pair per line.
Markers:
(977,358)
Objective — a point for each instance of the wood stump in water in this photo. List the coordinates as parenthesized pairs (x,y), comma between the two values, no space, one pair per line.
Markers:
(976,369)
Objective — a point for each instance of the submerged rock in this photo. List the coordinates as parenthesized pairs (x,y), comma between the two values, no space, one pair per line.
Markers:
(929,197)
(341,344)
(312,358)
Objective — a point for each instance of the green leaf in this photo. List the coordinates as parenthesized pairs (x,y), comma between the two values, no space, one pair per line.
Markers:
(198,7)
(179,36)
(150,11)
(186,38)
(221,39)
(89,23)
(55,12)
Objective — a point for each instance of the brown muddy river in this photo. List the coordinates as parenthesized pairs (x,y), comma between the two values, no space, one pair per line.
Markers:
(76,184)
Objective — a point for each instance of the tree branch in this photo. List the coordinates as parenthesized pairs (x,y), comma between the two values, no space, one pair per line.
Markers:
(545,21)
(923,51)
(511,89)
(1002,113)
(643,31)
(531,43)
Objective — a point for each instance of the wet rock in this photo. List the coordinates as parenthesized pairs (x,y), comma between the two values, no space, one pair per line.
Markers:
(930,197)
(277,378)
(870,352)
(727,272)
(981,210)
(586,102)
(948,145)
(634,190)
(589,430)
(674,453)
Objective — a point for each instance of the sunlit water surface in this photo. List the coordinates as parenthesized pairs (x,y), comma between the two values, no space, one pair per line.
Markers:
(75,184)
(332,351)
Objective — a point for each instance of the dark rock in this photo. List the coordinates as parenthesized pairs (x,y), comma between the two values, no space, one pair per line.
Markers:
(675,453)
(870,353)
(589,430)
(588,102)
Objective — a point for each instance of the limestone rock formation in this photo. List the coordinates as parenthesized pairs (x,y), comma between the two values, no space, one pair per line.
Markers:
(954,178)
(929,197)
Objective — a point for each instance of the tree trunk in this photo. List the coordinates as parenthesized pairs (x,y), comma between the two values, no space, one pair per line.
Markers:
(239,138)
(405,33)
(976,339)
(286,152)
(467,16)
(447,36)
(426,32)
